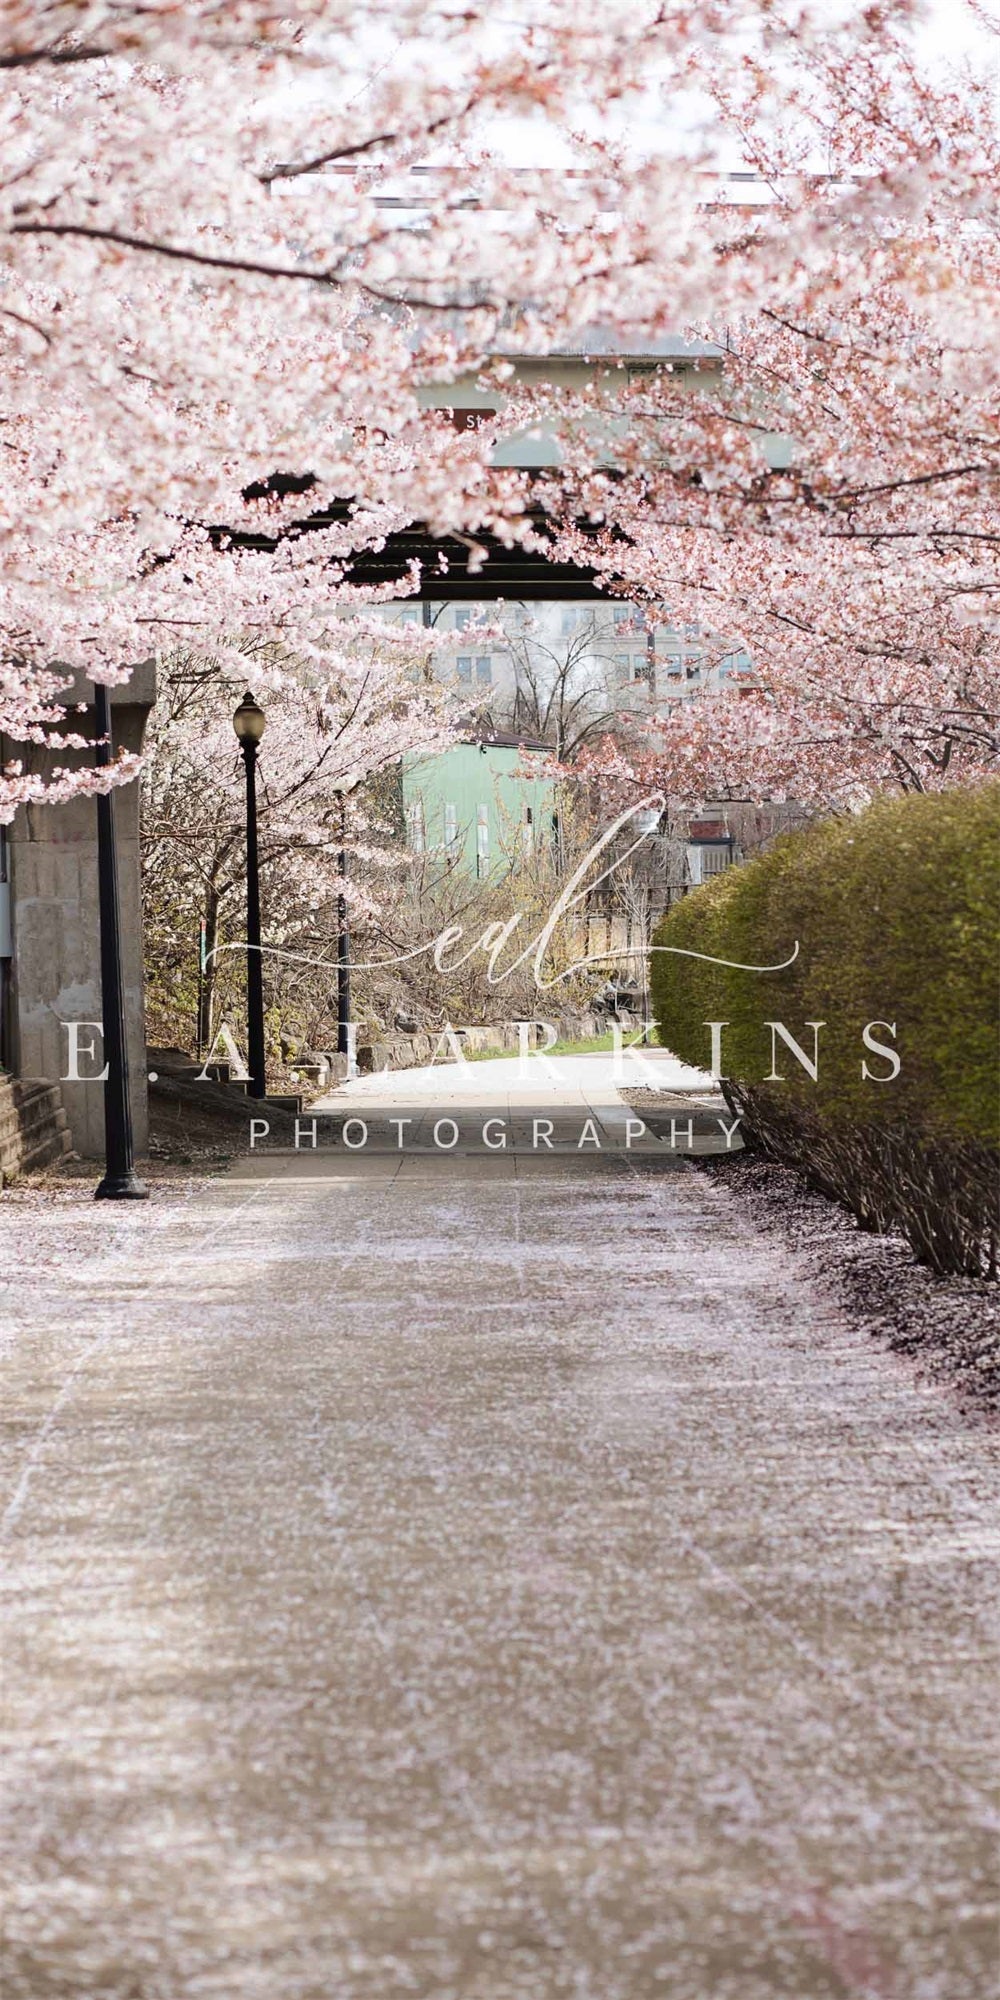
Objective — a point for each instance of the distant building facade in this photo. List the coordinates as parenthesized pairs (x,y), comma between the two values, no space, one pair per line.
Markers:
(569,668)
(482,808)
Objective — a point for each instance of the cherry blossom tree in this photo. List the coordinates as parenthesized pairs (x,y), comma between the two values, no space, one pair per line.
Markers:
(201,290)
(226,286)
(827,500)
(336,727)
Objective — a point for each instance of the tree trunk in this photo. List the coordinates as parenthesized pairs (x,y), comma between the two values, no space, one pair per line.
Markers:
(206,991)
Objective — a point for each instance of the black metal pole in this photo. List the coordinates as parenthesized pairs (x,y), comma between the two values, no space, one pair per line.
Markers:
(120,1182)
(257,1086)
(200,1033)
(343,942)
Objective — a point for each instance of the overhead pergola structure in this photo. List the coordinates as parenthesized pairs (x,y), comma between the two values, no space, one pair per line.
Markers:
(509,573)
(443,561)
(514,573)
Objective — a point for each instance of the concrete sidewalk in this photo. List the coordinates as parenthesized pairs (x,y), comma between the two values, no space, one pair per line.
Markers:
(482,1588)
(509,1113)
(570,1082)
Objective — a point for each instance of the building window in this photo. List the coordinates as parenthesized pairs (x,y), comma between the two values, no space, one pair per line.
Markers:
(642,668)
(482,840)
(622,614)
(450,824)
(734,663)
(464,669)
(484,670)
(714,860)
(693,671)
(410,616)
(415,825)
(463,619)
(624,664)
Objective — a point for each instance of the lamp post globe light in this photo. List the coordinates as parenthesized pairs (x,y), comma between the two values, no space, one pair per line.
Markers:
(249,723)
(648,821)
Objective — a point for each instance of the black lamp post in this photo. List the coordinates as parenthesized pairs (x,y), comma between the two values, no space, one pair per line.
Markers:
(120,1182)
(343,937)
(248,723)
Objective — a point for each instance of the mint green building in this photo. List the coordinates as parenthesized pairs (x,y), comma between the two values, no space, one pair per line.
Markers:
(478,806)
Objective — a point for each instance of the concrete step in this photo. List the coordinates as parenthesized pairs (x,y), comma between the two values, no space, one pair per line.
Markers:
(24,1096)
(34,1129)
(40,1108)
(45,1150)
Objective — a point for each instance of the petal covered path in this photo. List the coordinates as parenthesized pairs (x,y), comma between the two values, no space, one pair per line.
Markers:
(424,1580)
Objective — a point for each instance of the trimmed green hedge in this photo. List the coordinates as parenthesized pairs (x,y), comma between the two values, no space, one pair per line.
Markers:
(896,913)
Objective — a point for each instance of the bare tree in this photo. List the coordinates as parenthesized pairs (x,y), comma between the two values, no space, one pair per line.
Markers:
(561,695)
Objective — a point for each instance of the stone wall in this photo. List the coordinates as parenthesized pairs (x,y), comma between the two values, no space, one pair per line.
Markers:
(398,1051)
